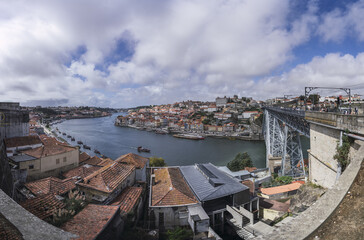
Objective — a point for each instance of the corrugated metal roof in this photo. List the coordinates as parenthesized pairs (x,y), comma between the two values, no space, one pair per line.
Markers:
(210,183)
(234,174)
(22,158)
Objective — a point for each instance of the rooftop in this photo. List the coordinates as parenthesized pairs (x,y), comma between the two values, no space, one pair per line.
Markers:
(81,171)
(8,230)
(22,141)
(90,222)
(51,146)
(273,204)
(171,189)
(107,178)
(281,189)
(127,199)
(234,174)
(22,158)
(83,157)
(43,206)
(131,158)
(208,182)
(51,185)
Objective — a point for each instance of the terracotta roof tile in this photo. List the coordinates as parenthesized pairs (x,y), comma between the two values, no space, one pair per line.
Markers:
(171,189)
(83,157)
(108,178)
(51,185)
(281,189)
(128,199)
(22,141)
(81,171)
(95,160)
(43,206)
(51,146)
(105,161)
(90,222)
(134,159)
(8,231)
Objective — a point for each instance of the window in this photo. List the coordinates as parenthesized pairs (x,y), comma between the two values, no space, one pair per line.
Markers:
(57,161)
(31,166)
(64,159)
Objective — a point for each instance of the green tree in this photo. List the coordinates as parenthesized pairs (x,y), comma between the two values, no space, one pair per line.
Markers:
(179,234)
(240,161)
(157,162)
(314,98)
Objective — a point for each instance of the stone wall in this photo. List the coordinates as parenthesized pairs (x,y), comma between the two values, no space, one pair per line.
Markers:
(307,222)
(6,178)
(323,166)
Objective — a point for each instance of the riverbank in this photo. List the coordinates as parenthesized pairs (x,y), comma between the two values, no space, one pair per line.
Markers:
(205,134)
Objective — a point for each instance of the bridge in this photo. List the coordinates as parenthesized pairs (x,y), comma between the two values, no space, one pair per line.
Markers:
(282,129)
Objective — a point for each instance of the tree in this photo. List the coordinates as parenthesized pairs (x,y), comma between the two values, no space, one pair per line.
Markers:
(314,98)
(240,161)
(157,162)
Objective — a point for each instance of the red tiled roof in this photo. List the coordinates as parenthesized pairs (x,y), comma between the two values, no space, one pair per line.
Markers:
(51,147)
(22,141)
(43,206)
(90,222)
(108,178)
(128,199)
(131,158)
(81,171)
(83,157)
(281,189)
(105,161)
(51,185)
(171,189)
(95,160)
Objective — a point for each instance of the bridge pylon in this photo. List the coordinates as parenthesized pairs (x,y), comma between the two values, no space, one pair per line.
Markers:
(283,144)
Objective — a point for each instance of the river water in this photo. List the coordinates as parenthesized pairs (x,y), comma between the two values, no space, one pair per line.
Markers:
(113,141)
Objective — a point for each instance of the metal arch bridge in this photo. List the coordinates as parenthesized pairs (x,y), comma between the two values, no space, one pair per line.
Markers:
(282,129)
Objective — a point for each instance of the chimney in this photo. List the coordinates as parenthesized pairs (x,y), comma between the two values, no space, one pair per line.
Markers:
(153,179)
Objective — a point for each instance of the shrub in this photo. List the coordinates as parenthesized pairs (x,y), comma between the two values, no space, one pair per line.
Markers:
(157,162)
(240,162)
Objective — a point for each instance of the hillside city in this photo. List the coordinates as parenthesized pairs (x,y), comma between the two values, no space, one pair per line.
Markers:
(90,196)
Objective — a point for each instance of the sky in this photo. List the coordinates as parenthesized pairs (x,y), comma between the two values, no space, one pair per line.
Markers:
(121,53)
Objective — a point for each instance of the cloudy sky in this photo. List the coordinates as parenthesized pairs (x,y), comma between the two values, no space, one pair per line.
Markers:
(122,53)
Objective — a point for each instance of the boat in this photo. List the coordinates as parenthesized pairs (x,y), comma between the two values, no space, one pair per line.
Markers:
(64,134)
(96,151)
(86,147)
(79,142)
(69,136)
(141,149)
(163,132)
(189,136)
(72,139)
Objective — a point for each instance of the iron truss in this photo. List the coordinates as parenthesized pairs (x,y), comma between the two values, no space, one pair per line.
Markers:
(282,129)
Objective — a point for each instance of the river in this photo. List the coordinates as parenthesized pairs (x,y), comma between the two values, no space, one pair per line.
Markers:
(113,141)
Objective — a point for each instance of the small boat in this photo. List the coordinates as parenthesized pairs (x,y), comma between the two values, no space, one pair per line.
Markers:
(79,142)
(96,151)
(86,147)
(189,136)
(64,134)
(160,132)
(69,136)
(72,139)
(141,149)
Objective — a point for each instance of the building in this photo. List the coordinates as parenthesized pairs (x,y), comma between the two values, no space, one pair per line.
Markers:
(141,164)
(169,199)
(221,102)
(13,121)
(105,184)
(16,144)
(50,159)
(280,192)
(220,194)
(272,209)
(50,185)
(96,222)
(131,203)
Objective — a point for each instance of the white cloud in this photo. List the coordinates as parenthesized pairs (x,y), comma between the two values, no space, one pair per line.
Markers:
(182,49)
(339,23)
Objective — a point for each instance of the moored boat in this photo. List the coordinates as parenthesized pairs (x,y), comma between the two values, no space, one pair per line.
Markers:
(96,151)
(79,142)
(141,149)
(189,136)
(86,147)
